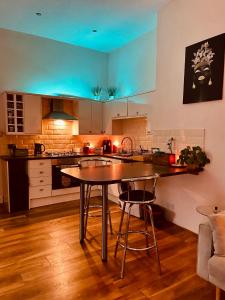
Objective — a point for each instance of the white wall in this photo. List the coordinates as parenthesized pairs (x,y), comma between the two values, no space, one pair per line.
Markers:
(180,24)
(39,65)
(132,68)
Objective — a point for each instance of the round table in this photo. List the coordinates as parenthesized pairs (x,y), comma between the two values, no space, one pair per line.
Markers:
(207,210)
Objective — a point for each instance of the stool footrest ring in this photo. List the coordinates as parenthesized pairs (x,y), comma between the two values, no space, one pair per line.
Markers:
(133,248)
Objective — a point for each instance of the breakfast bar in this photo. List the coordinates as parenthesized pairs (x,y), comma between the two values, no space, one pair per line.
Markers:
(105,175)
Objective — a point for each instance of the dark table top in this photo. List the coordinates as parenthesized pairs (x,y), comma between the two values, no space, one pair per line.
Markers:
(115,172)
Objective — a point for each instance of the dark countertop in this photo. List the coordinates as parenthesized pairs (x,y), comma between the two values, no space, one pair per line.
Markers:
(163,170)
(34,157)
(114,173)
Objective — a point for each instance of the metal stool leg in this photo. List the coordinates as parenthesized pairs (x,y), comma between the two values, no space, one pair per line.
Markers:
(146,228)
(126,242)
(87,202)
(120,228)
(110,222)
(154,238)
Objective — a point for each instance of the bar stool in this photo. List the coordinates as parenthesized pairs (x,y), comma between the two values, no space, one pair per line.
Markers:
(143,198)
(93,162)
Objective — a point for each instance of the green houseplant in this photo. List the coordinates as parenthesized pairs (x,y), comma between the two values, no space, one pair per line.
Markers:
(97,91)
(193,157)
(111,92)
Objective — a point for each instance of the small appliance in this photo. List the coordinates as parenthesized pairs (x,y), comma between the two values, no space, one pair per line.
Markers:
(107,146)
(38,148)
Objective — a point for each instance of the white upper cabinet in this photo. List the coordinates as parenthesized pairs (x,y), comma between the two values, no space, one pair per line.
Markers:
(107,117)
(33,114)
(20,113)
(90,117)
(119,108)
(96,117)
(84,117)
(138,105)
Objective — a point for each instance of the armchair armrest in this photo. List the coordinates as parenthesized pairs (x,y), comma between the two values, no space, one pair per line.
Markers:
(205,250)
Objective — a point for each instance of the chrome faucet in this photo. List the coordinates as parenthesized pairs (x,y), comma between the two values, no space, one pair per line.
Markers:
(131,143)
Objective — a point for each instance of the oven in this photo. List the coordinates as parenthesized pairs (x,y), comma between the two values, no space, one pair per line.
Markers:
(60,181)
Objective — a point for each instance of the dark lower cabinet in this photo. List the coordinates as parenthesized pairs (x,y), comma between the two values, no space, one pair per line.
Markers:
(18,185)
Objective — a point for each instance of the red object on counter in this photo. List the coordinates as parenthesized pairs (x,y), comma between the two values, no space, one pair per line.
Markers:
(91,150)
(115,149)
(172,159)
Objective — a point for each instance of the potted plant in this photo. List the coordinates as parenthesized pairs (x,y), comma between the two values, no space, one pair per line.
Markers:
(97,92)
(112,92)
(193,157)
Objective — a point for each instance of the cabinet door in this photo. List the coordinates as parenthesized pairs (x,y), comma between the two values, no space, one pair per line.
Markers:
(138,105)
(84,117)
(2,113)
(119,108)
(32,114)
(96,117)
(107,117)
(14,110)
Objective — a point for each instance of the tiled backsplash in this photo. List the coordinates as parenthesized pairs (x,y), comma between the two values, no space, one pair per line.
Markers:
(136,129)
(54,137)
(182,138)
(60,137)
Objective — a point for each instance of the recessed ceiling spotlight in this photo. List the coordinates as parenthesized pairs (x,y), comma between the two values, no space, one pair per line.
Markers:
(94,30)
(38,14)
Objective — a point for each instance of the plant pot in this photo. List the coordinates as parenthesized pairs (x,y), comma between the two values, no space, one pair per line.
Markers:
(193,169)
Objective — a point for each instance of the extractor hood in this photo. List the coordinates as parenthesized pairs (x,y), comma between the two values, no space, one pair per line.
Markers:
(57,113)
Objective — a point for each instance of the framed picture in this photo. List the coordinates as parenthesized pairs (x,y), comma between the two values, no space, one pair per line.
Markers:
(204,69)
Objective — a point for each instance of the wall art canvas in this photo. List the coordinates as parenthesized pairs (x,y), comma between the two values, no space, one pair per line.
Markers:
(204,69)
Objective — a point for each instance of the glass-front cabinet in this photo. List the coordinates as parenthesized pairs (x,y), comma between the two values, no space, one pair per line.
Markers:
(15,113)
(20,113)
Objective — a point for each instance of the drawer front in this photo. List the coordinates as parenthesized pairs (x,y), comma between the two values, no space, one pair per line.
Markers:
(40,191)
(40,172)
(39,163)
(40,181)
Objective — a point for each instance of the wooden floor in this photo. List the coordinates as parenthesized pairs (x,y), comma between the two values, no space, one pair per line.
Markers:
(41,258)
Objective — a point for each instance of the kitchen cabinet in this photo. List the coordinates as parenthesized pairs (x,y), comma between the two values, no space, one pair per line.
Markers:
(90,117)
(138,106)
(119,108)
(32,114)
(116,109)
(15,185)
(20,113)
(132,107)
(40,178)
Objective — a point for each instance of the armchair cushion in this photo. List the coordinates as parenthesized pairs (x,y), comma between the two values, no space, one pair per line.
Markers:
(217,222)
(216,266)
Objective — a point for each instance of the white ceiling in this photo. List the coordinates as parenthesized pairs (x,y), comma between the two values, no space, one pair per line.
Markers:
(117,21)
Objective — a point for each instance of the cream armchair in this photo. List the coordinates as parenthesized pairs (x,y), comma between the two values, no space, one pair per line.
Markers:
(211,258)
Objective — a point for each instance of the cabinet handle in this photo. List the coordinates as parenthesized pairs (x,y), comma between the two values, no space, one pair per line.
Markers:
(41,190)
(41,180)
(41,172)
(41,164)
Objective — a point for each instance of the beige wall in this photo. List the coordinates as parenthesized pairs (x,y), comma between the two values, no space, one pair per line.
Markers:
(182,23)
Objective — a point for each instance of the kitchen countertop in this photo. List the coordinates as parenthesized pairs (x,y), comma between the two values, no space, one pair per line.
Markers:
(163,170)
(77,155)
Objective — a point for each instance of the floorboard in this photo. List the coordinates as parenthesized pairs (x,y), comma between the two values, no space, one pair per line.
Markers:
(41,258)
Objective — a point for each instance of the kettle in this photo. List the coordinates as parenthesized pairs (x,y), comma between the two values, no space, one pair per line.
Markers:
(38,148)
